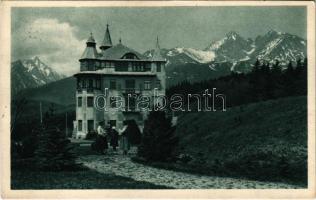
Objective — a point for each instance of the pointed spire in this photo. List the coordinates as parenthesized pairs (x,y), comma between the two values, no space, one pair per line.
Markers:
(120,40)
(107,42)
(157,55)
(91,39)
(157,43)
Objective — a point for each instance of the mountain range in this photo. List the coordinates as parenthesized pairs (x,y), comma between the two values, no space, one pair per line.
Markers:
(31,73)
(234,48)
(231,53)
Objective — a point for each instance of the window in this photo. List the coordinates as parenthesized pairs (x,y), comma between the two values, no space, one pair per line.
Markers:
(97,65)
(79,83)
(90,83)
(90,101)
(147,67)
(130,84)
(91,65)
(79,101)
(83,83)
(113,84)
(147,85)
(91,68)
(98,83)
(90,125)
(83,65)
(121,66)
(158,84)
(79,125)
(158,67)
(130,56)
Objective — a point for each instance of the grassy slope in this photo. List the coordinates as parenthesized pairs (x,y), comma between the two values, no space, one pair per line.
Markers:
(269,140)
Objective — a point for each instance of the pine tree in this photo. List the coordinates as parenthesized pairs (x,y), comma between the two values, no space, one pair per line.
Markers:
(299,66)
(289,80)
(158,142)
(134,134)
(54,152)
(301,73)
(276,69)
(276,79)
(254,76)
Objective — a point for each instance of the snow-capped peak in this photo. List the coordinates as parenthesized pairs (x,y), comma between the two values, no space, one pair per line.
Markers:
(274,32)
(197,55)
(216,44)
(40,72)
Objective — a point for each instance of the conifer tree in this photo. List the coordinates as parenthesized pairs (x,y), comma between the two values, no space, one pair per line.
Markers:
(134,134)
(54,152)
(289,80)
(158,142)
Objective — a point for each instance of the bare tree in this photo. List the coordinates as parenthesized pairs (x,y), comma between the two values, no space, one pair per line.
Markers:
(17,108)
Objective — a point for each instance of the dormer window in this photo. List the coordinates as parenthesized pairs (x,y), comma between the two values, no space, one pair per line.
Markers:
(130,56)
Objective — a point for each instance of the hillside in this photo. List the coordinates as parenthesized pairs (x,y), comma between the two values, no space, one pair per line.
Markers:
(60,92)
(266,140)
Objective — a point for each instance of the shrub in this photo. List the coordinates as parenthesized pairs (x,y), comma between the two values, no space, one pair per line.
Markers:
(55,152)
(133,133)
(91,135)
(158,142)
(24,139)
(184,158)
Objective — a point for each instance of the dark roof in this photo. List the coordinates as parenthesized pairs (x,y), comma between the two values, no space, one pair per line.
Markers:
(118,51)
(89,53)
(107,42)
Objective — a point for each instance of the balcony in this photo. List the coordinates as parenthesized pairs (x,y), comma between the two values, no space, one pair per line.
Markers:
(89,89)
(131,90)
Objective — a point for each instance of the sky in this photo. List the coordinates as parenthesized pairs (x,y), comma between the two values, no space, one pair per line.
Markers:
(58,35)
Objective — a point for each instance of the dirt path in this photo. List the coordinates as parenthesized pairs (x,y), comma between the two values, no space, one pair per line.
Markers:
(122,165)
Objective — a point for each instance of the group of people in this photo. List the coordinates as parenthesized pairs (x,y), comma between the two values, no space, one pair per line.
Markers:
(112,136)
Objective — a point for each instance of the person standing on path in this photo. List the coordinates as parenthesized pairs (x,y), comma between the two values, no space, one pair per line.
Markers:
(101,141)
(114,138)
(124,138)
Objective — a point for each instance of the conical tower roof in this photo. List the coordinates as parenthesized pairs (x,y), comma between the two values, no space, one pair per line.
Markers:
(107,42)
(157,55)
(90,51)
